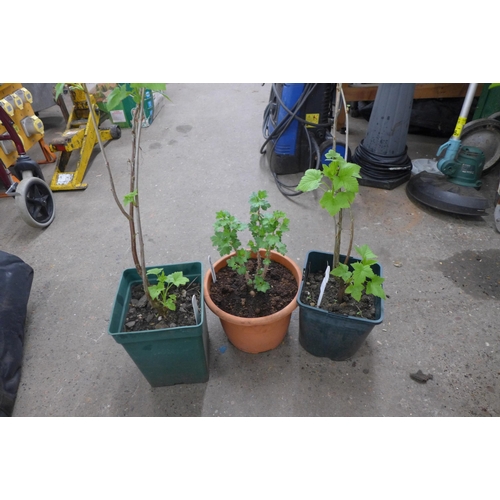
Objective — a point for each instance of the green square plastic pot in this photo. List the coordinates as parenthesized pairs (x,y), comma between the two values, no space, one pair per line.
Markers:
(330,335)
(166,356)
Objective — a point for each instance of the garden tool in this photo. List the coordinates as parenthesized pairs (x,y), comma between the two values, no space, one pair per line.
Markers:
(462,166)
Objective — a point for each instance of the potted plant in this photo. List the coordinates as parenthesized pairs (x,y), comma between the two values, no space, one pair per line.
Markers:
(253,289)
(341,297)
(163,328)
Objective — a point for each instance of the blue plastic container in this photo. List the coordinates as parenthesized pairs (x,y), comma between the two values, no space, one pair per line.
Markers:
(330,335)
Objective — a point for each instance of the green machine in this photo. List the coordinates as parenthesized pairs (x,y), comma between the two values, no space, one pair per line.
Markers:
(462,165)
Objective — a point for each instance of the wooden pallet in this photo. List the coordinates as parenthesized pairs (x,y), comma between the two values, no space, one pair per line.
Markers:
(368,92)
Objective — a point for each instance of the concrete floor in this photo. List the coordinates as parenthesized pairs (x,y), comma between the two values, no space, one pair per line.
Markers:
(201,155)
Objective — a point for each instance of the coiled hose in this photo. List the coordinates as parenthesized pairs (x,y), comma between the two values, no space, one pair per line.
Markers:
(382,167)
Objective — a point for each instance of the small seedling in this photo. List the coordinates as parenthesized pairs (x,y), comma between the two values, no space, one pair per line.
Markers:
(160,291)
(362,278)
(266,229)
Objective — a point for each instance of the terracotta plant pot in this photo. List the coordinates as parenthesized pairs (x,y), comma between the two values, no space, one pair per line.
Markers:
(254,335)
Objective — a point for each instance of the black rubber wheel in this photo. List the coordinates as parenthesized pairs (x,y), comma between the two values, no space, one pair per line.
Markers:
(35,202)
(115,131)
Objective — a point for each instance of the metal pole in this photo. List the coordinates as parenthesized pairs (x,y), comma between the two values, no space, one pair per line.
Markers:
(462,120)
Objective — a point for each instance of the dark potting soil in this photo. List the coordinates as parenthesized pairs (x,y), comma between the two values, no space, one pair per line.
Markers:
(232,294)
(142,316)
(365,308)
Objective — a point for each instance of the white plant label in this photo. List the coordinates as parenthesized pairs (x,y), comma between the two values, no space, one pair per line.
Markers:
(195,309)
(323,285)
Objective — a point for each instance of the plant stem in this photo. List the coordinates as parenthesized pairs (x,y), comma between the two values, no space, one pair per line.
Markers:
(137,141)
(101,146)
(259,261)
(342,283)
(264,271)
(338,238)
(351,239)
(133,204)
(134,215)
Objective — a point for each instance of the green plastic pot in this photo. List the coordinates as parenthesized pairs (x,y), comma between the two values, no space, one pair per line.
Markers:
(327,334)
(166,356)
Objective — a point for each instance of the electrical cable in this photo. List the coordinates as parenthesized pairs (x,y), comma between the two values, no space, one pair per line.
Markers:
(303,98)
(373,165)
(291,114)
(275,135)
(382,167)
(313,144)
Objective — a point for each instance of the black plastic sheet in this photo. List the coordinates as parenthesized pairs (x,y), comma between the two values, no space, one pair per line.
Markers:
(16,278)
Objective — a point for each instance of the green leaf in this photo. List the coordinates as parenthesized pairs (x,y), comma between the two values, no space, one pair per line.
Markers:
(170,302)
(278,214)
(331,170)
(129,198)
(281,248)
(361,272)
(347,178)
(329,203)
(155,290)
(342,271)
(272,241)
(346,198)
(59,89)
(285,225)
(258,201)
(156,271)
(226,228)
(350,169)
(310,180)
(155,87)
(367,256)
(117,95)
(333,155)
(374,287)
(238,261)
(334,204)
(260,284)
(240,270)
(355,290)
(177,279)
